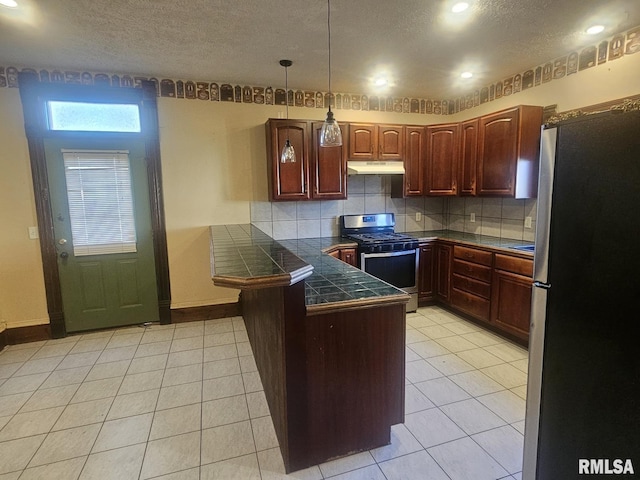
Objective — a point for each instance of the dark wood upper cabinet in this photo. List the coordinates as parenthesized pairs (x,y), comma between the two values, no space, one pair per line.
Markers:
(329,167)
(363,141)
(468,157)
(289,181)
(414,161)
(318,173)
(391,139)
(368,141)
(443,148)
(508,149)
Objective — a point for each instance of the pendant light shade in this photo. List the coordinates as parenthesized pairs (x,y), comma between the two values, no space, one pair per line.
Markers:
(288,154)
(330,135)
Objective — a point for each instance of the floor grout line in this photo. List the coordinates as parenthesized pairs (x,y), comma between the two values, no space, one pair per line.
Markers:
(239,336)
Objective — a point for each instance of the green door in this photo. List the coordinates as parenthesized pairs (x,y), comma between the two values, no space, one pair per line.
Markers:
(102,228)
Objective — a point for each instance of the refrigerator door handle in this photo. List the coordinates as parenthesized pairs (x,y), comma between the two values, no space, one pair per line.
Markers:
(546,286)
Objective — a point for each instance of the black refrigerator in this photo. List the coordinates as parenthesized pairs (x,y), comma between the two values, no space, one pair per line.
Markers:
(583,395)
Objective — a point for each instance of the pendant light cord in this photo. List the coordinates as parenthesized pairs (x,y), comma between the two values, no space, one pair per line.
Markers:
(329,30)
(286,94)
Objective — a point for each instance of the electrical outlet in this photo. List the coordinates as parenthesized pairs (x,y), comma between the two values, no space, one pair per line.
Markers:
(472,218)
(418,216)
(527,222)
(33,233)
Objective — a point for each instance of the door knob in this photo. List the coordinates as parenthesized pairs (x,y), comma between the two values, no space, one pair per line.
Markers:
(64,255)
(62,241)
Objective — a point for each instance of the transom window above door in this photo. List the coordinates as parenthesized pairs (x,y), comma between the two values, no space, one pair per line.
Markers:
(93,117)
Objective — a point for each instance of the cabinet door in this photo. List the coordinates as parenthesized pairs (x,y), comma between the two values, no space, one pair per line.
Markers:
(468,157)
(414,161)
(443,272)
(289,181)
(511,302)
(391,139)
(348,255)
(425,273)
(442,159)
(329,167)
(363,141)
(498,153)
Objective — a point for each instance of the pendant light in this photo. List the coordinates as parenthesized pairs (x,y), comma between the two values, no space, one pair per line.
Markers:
(288,153)
(330,135)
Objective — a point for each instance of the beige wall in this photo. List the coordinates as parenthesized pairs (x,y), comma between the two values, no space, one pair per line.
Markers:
(22,296)
(214,165)
(611,80)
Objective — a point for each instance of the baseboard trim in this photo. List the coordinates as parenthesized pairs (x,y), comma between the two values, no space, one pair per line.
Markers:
(205,312)
(33,333)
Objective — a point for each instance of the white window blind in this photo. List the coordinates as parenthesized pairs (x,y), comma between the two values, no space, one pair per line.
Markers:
(100,202)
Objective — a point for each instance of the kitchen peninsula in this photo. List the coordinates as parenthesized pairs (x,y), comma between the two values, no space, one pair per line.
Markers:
(328,339)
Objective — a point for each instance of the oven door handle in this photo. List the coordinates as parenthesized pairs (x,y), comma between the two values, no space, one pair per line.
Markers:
(389,254)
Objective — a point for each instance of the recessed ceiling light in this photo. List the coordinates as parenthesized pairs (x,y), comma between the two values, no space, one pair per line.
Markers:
(9,3)
(466,74)
(380,82)
(595,29)
(459,7)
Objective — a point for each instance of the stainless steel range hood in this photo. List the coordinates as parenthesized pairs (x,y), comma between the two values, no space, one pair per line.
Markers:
(395,167)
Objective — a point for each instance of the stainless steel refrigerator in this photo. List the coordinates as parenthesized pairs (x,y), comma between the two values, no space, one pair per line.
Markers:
(583,395)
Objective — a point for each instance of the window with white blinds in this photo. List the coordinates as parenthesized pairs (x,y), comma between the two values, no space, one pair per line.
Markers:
(100,202)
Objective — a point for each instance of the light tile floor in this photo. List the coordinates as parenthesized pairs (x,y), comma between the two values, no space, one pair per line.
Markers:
(185,402)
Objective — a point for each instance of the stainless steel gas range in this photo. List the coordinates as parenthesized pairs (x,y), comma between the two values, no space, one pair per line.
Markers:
(389,256)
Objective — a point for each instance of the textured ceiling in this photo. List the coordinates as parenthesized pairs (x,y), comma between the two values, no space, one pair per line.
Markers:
(241,41)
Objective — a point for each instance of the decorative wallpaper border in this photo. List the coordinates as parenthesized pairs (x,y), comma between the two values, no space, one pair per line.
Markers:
(612,49)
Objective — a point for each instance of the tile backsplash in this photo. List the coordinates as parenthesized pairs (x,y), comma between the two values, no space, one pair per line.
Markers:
(372,194)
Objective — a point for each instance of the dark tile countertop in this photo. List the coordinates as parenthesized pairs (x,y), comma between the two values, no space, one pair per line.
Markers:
(473,240)
(242,256)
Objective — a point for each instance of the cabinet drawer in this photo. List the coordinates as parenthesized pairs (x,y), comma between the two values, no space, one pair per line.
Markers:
(472,286)
(472,255)
(518,265)
(473,270)
(471,304)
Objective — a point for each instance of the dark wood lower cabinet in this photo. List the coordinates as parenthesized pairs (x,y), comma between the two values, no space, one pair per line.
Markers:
(425,273)
(347,255)
(442,272)
(494,288)
(511,296)
(334,382)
